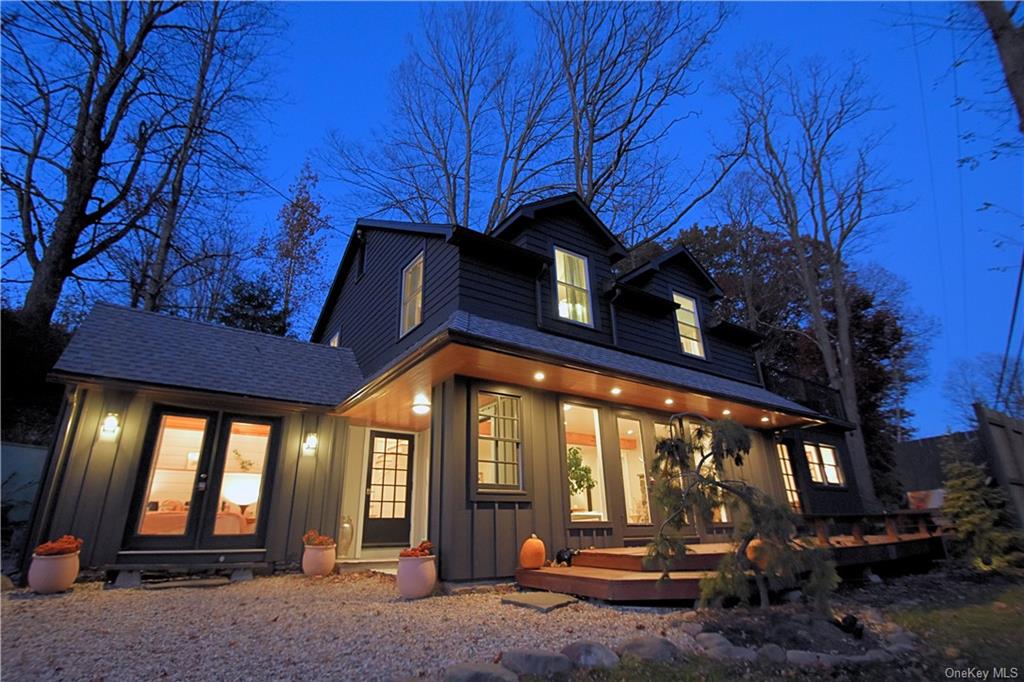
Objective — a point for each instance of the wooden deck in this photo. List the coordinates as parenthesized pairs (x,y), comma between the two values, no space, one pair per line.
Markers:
(625,573)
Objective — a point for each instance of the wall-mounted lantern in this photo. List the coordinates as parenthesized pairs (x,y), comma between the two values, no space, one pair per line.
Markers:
(421,404)
(309,446)
(109,426)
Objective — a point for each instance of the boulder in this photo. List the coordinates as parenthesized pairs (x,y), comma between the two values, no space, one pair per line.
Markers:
(712,640)
(689,616)
(6,584)
(809,659)
(586,655)
(691,629)
(479,672)
(772,654)
(730,652)
(657,649)
(536,662)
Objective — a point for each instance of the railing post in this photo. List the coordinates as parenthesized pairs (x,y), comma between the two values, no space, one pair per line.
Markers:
(890,528)
(858,532)
(922,525)
(821,531)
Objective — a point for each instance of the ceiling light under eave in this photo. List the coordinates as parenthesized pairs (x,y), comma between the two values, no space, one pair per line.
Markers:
(669,401)
(616,390)
(765,419)
(726,412)
(420,404)
(538,376)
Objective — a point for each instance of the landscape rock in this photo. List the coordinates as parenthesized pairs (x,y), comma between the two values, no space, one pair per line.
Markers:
(731,652)
(479,672)
(689,616)
(692,629)
(536,662)
(712,640)
(772,654)
(586,655)
(809,659)
(6,583)
(657,649)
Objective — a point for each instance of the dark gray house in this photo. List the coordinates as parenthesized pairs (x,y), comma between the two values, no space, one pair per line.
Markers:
(449,375)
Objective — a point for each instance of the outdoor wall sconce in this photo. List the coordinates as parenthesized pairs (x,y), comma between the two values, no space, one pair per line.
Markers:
(109,426)
(421,404)
(310,444)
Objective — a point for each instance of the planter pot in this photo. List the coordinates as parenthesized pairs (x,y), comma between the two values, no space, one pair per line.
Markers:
(318,559)
(52,573)
(417,576)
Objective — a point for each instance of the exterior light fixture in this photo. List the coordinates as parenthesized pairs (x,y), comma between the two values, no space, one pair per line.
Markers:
(421,404)
(538,376)
(765,419)
(616,390)
(567,407)
(310,444)
(669,401)
(109,426)
(726,412)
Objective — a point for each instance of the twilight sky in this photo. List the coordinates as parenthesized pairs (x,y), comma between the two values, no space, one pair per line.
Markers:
(959,263)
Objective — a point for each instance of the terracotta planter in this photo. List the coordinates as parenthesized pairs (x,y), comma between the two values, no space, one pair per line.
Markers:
(52,573)
(318,559)
(417,576)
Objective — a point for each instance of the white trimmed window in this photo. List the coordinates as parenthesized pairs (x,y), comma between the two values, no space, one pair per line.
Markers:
(688,323)
(788,477)
(823,463)
(412,295)
(573,287)
(499,441)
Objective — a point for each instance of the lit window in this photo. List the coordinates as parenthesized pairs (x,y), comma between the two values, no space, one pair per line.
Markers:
(584,464)
(721,513)
(573,287)
(823,463)
(664,432)
(412,295)
(499,440)
(788,478)
(634,472)
(335,339)
(688,322)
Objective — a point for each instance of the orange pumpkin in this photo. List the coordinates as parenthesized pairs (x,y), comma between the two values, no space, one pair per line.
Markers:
(532,553)
(757,553)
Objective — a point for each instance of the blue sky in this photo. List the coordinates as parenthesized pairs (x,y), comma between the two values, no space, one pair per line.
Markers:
(335,74)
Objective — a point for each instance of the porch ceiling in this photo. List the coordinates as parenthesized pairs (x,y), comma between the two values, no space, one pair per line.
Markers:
(388,402)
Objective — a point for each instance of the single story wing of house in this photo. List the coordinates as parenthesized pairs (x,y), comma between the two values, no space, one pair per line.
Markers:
(448,377)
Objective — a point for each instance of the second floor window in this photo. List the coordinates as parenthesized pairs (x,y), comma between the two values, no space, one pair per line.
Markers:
(573,288)
(412,295)
(688,322)
(823,463)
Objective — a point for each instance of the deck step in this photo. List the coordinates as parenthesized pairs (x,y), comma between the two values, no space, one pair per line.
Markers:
(613,584)
(703,557)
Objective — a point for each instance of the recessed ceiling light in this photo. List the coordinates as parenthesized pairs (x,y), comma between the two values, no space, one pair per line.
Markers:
(616,390)
(726,412)
(669,401)
(765,419)
(538,376)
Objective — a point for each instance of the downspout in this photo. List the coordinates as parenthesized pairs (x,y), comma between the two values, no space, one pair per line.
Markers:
(537,296)
(614,318)
(53,477)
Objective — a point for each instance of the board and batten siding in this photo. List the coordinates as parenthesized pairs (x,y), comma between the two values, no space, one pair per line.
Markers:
(478,534)
(367,308)
(92,486)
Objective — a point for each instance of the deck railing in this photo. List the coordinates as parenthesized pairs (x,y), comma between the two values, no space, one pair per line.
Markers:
(891,525)
(809,393)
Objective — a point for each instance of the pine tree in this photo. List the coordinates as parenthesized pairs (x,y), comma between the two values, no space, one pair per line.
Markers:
(984,536)
(254,305)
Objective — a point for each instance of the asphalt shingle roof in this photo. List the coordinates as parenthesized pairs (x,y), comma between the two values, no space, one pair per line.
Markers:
(613,360)
(131,345)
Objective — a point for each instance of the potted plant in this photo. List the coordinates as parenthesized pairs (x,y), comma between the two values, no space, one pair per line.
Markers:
(54,565)
(417,572)
(318,553)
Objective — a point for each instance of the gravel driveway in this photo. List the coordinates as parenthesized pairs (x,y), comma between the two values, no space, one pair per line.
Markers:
(341,627)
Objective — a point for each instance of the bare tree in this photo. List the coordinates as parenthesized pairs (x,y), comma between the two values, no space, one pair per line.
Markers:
(85,128)
(626,70)
(814,153)
(976,381)
(1007,28)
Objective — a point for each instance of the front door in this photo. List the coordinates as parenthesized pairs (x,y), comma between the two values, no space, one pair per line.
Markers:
(388,490)
(204,481)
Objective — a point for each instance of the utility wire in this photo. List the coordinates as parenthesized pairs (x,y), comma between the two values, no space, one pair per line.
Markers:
(1013,324)
(960,187)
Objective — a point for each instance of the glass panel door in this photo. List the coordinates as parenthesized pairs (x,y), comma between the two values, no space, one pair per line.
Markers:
(178,449)
(634,472)
(241,487)
(584,464)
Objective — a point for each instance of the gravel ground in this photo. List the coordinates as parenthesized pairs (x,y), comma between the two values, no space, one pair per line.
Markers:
(342,627)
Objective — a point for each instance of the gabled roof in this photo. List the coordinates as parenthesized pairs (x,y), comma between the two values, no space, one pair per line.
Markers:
(529,210)
(678,252)
(122,344)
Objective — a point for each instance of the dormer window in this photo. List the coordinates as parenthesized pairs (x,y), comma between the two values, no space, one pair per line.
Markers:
(412,295)
(688,323)
(573,287)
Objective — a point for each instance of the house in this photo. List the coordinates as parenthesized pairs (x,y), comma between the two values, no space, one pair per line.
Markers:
(448,377)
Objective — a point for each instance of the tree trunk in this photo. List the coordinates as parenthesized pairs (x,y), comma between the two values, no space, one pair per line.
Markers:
(1009,42)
